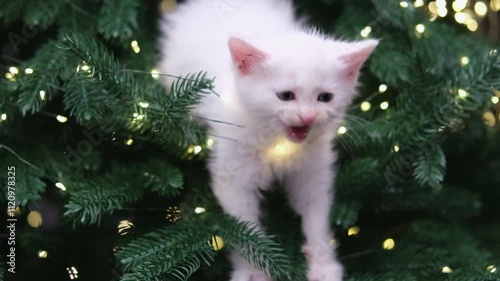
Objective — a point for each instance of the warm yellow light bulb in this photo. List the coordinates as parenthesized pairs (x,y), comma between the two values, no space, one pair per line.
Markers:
(42,94)
(366,106)
(495,5)
(353,231)
(491,268)
(135,47)
(418,3)
(420,28)
(462,93)
(3,117)
(197,149)
(395,148)
(199,210)
(154,73)
(382,88)
(480,8)
(366,31)
(60,186)
(472,25)
(494,100)
(62,119)
(403,4)
(14,70)
(384,105)
(34,219)
(446,269)
(129,142)
(389,244)
(459,5)
(342,130)
(143,104)
(43,254)
(28,71)
(464,61)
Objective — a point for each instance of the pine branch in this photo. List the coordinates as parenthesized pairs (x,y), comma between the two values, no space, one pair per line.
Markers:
(118,19)
(92,199)
(430,167)
(46,66)
(163,178)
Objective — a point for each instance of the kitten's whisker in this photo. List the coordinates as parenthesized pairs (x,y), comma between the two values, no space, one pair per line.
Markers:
(220,122)
(226,138)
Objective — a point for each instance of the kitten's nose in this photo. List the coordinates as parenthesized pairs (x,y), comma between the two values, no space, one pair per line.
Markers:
(308,117)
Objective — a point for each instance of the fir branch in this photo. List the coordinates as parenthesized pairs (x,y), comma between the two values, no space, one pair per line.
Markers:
(430,167)
(92,199)
(163,178)
(46,66)
(118,19)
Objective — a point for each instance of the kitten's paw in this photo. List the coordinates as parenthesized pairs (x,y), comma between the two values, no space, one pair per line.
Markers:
(329,272)
(249,275)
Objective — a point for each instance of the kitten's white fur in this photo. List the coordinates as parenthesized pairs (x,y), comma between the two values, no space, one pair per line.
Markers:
(245,158)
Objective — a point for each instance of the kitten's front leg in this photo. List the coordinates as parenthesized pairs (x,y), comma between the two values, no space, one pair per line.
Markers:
(311,195)
(236,181)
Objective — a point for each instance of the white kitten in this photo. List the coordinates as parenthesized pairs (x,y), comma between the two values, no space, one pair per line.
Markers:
(287,90)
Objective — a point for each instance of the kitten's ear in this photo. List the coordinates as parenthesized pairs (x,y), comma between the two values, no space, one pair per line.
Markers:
(357,54)
(246,57)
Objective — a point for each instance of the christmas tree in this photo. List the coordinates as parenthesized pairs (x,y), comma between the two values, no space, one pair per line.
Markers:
(103,174)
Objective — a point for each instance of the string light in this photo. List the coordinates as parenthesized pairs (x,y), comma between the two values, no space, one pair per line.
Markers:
(143,104)
(34,219)
(43,254)
(495,5)
(395,149)
(480,8)
(62,119)
(472,25)
(462,94)
(199,210)
(420,28)
(446,269)
(491,268)
(389,244)
(382,88)
(124,227)
(28,71)
(10,76)
(173,214)
(154,73)
(459,5)
(73,273)
(418,3)
(464,61)
(60,186)
(462,17)
(442,11)
(42,94)
(366,106)
(197,149)
(210,143)
(216,243)
(342,130)
(403,4)
(366,31)
(140,117)
(384,105)
(353,231)
(129,142)
(135,46)
(494,100)
(433,8)
(3,117)
(282,149)
(14,70)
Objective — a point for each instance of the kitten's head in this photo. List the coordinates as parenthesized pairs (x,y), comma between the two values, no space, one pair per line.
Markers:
(305,80)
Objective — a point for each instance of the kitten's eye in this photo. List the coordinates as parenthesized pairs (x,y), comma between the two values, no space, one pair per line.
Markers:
(286,96)
(325,97)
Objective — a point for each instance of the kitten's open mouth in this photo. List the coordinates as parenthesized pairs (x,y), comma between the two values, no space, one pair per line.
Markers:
(297,134)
